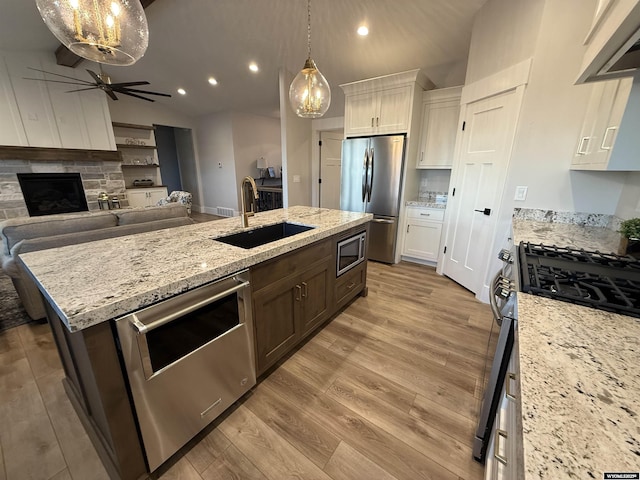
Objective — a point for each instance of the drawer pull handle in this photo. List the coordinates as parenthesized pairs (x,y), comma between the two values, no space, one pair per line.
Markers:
(501,458)
(208,409)
(298,292)
(304,290)
(351,285)
(509,394)
(425,214)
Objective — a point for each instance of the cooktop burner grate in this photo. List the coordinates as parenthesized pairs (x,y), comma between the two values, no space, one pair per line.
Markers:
(605,281)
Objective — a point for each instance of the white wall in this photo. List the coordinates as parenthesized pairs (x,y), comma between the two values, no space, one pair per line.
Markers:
(255,136)
(551,119)
(629,205)
(296,149)
(215,144)
(504,33)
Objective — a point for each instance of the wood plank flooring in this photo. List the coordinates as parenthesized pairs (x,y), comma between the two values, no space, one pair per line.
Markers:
(389,389)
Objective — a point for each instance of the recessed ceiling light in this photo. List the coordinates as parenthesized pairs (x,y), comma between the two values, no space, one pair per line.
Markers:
(253,67)
(363,30)
(213,81)
(182,91)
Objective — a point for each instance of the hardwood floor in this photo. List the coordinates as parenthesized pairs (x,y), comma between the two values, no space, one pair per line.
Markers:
(389,389)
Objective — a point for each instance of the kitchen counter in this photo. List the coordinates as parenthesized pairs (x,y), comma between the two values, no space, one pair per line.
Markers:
(419,203)
(93,282)
(580,389)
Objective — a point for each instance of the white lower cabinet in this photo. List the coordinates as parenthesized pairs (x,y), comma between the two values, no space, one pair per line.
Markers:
(423,229)
(145,197)
(502,451)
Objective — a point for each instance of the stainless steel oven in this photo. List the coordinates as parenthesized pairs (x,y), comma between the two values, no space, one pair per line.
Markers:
(188,359)
(351,252)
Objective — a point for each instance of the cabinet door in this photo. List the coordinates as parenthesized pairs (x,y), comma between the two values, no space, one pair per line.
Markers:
(156,194)
(394,110)
(316,296)
(275,310)
(360,114)
(137,198)
(605,110)
(438,135)
(422,240)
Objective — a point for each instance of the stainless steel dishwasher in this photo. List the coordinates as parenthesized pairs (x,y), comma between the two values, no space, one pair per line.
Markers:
(188,359)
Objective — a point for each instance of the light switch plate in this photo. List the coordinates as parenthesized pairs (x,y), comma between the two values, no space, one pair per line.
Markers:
(296,179)
(521,194)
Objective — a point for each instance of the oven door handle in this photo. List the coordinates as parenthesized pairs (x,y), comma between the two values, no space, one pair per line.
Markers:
(144,328)
(492,298)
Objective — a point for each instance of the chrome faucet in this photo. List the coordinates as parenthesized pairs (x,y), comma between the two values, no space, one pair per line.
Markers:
(251,212)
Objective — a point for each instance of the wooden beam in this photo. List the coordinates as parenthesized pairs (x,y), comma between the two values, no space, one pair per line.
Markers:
(58,154)
(67,58)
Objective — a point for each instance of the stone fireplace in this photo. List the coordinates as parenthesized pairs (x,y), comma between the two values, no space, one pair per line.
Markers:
(100,171)
(51,193)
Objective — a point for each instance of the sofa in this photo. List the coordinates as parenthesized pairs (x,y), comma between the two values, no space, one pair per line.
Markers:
(30,234)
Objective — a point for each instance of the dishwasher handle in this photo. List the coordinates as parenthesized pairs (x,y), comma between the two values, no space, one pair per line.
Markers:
(144,328)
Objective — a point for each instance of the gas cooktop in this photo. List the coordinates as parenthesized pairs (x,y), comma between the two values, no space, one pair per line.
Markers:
(600,280)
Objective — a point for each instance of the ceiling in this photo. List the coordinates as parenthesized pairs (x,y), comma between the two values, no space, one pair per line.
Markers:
(191,40)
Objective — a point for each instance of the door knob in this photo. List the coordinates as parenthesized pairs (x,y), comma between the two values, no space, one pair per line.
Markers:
(486,211)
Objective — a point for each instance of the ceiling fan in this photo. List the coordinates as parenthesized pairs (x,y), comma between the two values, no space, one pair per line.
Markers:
(103,82)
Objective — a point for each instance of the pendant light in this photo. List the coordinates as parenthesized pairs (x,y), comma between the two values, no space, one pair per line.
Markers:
(114,32)
(309,93)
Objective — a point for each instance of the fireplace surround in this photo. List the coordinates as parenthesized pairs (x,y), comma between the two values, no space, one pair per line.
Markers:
(52,193)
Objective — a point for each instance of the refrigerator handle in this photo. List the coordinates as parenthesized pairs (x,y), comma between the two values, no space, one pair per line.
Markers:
(365,173)
(370,186)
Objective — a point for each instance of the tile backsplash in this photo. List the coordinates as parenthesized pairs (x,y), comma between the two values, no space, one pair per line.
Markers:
(434,185)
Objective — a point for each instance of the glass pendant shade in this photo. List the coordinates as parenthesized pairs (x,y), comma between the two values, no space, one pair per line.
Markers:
(309,93)
(113,32)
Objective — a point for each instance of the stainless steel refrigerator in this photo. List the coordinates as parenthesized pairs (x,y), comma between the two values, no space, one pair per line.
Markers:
(371,178)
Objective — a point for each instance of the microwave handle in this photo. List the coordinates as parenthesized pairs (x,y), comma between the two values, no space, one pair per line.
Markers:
(144,328)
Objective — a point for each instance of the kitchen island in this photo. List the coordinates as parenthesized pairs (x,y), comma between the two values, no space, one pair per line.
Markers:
(87,287)
(580,389)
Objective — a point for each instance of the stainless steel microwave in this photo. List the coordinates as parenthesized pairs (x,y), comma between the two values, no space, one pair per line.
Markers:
(351,252)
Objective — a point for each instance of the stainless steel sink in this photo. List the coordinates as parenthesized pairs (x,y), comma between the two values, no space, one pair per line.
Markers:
(263,235)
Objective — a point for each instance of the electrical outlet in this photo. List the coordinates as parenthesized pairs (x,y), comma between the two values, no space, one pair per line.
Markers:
(521,194)
(296,179)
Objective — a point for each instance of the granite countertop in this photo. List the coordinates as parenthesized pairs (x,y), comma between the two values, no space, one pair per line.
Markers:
(580,389)
(97,281)
(419,203)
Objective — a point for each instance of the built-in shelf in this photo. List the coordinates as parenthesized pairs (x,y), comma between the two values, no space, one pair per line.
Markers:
(133,125)
(124,145)
(141,165)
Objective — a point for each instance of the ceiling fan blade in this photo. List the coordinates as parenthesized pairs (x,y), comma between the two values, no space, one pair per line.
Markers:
(96,77)
(82,89)
(57,81)
(137,96)
(124,90)
(128,84)
(109,92)
(58,75)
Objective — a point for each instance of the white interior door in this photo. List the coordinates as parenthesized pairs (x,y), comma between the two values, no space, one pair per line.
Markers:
(481,166)
(330,164)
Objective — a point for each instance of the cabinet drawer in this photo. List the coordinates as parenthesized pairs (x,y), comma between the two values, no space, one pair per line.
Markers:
(431,214)
(292,263)
(349,284)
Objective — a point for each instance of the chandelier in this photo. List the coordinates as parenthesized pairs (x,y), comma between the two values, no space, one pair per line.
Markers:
(309,93)
(113,32)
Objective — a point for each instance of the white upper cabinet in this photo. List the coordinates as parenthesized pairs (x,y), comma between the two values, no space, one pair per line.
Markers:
(614,30)
(439,127)
(609,136)
(35,113)
(382,105)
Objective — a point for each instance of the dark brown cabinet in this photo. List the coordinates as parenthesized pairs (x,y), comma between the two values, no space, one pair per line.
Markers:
(291,308)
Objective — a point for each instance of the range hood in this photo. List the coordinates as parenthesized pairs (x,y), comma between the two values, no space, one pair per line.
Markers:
(627,59)
(613,44)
